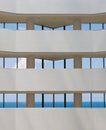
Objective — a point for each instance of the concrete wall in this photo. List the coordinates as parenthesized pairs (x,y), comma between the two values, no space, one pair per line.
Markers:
(8,6)
(53,41)
(52,119)
(55,6)
(63,80)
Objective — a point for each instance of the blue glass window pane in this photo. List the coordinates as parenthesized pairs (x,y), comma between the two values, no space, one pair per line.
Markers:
(97,100)
(59,64)
(59,100)
(60,28)
(37,27)
(1,62)
(69,100)
(96,26)
(86,63)
(69,27)
(21,100)
(97,62)
(86,103)
(48,100)
(38,63)
(47,28)
(10,100)
(1,25)
(1,100)
(48,64)
(38,100)
(84,26)
(12,26)
(10,62)
(70,63)
(21,26)
(105,62)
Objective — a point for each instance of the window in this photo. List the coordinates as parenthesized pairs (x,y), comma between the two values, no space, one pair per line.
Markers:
(59,100)
(69,100)
(10,63)
(84,26)
(21,26)
(48,100)
(22,100)
(10,100)
(97,62)
(47,28)
(1,100)
(59,28)
(12,26)
(21,63)
(86,100)
(1,25)
(37,27)
(48,64)
(38,63)
(86,63)
(97,100)
(38,100)
(1,62)
(59,64)
(69,27)
(70,63)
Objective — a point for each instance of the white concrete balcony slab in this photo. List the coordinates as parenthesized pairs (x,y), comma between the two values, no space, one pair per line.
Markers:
(52,44)
(52,80)
(53,6)
(53,13)
(52,119)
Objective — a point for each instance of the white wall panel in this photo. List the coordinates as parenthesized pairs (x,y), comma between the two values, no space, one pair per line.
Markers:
(55,6)
(60,41)
(7,40)
(52,119)
(63,42)
(8,6)
(53,80)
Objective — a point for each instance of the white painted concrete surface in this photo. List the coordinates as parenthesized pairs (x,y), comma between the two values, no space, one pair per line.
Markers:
(52,119)
(53,41)
(55,6)
(57,80)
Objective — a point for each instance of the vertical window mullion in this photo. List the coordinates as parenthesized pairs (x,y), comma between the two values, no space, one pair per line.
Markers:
(91,99)
(64,99)
(17,62)
(3,25)
(90,63)
(16,100)
(3,100)
(42,27)
(17,26)
(103,26)
(42,100)
(3,62)
(64,63)
(104,100)
(103,62)
(53,100)
(64,27)
(42,63)
(90,26)
(53,64)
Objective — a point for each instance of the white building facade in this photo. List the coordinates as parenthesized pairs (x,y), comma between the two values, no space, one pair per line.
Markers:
(66,40)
